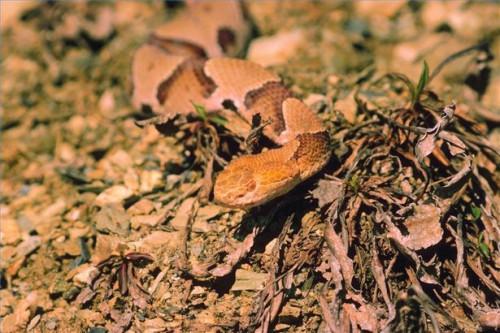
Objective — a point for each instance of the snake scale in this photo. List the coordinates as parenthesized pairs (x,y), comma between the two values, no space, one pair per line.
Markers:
(188,60)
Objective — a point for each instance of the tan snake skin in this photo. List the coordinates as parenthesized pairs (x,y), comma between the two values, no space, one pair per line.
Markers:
(183,63)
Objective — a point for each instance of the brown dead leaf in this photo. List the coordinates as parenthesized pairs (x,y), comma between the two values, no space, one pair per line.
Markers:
(235,256)
(457,181)
(424,228)
(338,249)
(489,319)
(363,318)
(327,191)
(427,143)
(455,145)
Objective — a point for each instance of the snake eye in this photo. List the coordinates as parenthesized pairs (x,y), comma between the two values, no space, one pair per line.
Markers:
(226,39)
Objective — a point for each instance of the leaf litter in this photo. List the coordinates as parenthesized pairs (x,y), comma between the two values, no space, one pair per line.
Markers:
(107,226)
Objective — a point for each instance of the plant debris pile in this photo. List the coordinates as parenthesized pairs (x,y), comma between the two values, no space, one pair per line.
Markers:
(109,227)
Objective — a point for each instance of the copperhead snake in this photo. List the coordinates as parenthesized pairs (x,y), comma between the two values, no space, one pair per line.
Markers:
(187,60)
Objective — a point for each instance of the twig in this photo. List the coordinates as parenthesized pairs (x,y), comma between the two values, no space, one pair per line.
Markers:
(414,129)
(455,56)
(378,273)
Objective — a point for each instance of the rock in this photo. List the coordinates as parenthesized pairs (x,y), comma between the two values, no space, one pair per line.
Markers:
(28,245)
(147,220)
(7,301)
(102,28)
(183,214)
(106,246)
(126,11)
(249,280)
(491,98)
(202,226)
(348,107)
(91,318)
(18,320)
(68,247)
(113,219)
(65,152)
(114,194)
(70,28)
(141,207)
(76,125)
(155,325)
(121,159)
(79,229)
(376,9)
(158,239)
(313,99)
(131,179)
(210,211)
(107,102)
(10,233)
(7,252)
(150,179)
(11,11)
(86,275)
(276,49)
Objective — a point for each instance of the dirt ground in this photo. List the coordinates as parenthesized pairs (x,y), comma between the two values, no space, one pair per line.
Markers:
(110,227)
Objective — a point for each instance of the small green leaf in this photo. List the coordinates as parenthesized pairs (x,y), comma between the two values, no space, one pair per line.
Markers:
(476,212)
(308,283)
(354,183)
(422,82)
(484,250)
(218,119)
(201,111)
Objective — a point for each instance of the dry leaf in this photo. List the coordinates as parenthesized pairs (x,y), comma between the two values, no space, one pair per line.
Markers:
(457,181)
(424,228)
(327,191)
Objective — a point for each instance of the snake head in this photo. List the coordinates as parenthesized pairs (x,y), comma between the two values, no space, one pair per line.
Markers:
(246,183)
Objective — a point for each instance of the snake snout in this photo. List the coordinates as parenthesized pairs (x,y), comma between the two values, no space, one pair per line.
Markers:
(242,187)
(233,187)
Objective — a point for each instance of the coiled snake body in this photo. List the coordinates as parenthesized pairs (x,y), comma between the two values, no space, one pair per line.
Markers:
(183,63)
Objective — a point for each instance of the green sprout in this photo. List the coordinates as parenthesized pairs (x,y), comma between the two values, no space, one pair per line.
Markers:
(483,247)
(422,82)
(207,117)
